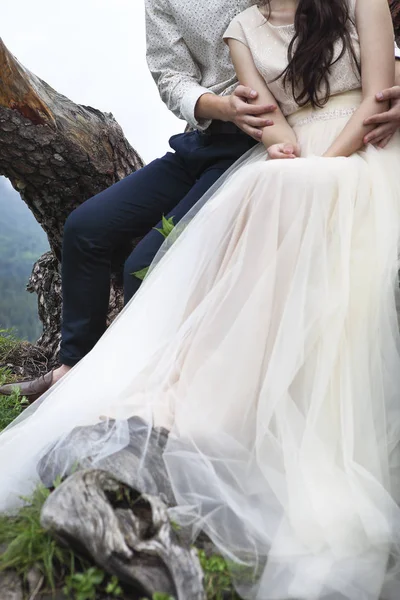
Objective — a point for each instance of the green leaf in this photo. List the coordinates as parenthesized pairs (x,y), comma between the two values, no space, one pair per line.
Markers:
(113,587)
(141,274)
(96,576)
(83,586)
(165,230)
(167,226)
(175,526)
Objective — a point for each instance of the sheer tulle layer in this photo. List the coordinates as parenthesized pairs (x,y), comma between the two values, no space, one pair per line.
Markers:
(267,341)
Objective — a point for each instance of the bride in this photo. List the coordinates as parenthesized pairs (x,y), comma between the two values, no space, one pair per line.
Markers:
(266,340)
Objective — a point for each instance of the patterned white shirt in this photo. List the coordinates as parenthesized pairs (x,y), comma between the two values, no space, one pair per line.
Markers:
(186,53)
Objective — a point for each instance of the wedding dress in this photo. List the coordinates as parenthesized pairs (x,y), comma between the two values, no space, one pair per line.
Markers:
(266,340)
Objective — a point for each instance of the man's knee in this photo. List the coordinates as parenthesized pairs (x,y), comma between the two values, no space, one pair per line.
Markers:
(74,225)
(133,264)
(144,253)
(82,226)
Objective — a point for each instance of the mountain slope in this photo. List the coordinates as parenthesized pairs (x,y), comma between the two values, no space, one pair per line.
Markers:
(22,241)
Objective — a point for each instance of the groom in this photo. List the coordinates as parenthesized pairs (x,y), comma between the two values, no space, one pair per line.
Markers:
(191,67)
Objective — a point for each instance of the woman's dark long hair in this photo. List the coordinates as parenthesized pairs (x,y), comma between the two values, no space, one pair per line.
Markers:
(319,24)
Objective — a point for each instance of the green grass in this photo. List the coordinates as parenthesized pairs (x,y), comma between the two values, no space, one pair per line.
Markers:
(8,344)
(10,406)
(87,584)
(217,579)
(28,544)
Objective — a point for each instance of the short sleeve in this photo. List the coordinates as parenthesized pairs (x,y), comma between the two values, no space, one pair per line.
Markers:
(235,31)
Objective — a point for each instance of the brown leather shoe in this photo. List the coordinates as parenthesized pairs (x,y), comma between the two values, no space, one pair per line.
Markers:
(32,390)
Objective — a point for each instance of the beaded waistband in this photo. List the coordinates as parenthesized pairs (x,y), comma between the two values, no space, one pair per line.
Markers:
(337,107)
(326,116)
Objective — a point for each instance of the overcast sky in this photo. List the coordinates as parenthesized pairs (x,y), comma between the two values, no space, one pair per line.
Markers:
(93,51)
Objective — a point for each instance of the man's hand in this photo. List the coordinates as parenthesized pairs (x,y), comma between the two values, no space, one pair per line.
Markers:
(250,118)
(284,150)
(387,122)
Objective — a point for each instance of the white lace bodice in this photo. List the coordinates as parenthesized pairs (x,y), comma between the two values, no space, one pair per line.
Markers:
(269,46)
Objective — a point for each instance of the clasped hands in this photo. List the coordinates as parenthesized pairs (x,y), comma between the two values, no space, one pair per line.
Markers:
(251,118)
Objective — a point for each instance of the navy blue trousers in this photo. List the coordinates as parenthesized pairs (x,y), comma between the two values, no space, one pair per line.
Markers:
(105,224)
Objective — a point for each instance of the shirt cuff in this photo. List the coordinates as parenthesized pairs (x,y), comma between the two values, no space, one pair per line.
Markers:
(188,106)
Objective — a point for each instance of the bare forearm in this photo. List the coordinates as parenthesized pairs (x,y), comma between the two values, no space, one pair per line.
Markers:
(375,31)
(279,133)
(350,140)
(211,106)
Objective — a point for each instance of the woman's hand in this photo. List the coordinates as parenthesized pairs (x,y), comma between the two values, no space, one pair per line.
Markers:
(284,150)
(387,122)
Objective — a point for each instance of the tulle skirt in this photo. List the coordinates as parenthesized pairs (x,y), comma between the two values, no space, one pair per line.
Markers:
(266,342)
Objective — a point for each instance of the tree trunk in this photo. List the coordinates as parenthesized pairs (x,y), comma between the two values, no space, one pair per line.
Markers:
(57,154)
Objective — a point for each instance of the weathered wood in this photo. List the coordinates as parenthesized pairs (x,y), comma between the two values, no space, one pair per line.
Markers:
(127,534)
(10,586)
(144,474)
(57,154)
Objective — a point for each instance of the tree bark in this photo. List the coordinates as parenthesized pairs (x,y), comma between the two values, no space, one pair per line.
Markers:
(57,154)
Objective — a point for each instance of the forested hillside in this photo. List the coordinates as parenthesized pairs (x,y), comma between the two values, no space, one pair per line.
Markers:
(22,241)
